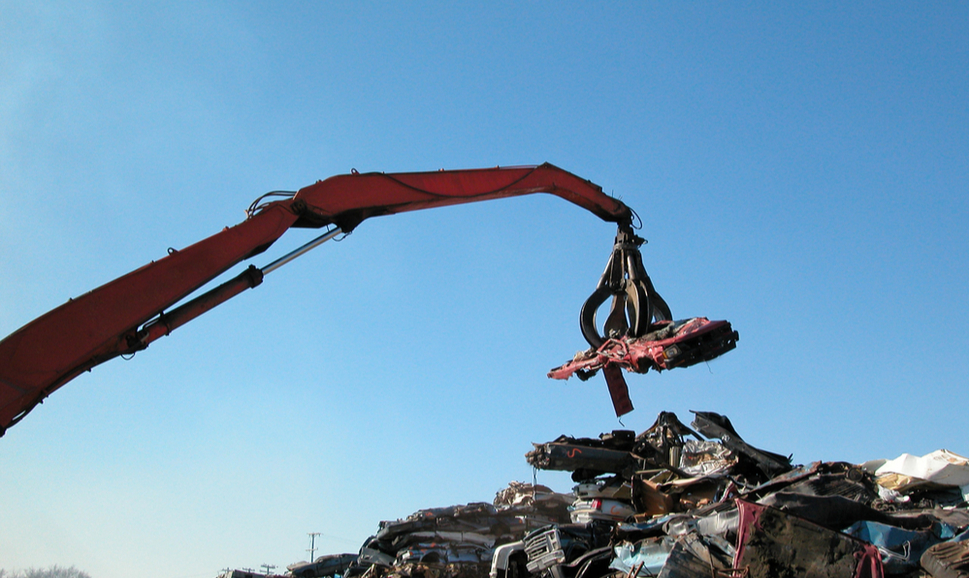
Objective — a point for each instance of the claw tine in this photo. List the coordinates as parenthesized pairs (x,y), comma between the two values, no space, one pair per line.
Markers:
(616,322)
(639,300)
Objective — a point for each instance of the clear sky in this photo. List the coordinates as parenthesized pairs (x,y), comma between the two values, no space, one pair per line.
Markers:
(801,170)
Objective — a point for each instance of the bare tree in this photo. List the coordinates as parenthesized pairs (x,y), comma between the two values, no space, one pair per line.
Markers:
(54,571)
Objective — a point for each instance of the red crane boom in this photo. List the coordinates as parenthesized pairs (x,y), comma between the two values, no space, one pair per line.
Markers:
(125,315)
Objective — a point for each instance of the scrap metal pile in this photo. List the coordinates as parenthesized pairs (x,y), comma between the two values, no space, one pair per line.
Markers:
(681,501)
(459,540)
(700,501)
(454,541)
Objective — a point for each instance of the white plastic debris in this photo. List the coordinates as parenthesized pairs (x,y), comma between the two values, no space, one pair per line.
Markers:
(907,472)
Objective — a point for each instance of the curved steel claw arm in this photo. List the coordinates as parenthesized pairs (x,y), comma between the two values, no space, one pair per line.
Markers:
(635,301)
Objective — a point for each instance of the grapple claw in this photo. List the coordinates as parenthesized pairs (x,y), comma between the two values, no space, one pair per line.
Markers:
(635,301)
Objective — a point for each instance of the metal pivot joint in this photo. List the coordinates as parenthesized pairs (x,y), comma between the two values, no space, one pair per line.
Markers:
(635,301)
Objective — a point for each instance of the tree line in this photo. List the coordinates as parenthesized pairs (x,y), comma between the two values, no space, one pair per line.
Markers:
(51,572)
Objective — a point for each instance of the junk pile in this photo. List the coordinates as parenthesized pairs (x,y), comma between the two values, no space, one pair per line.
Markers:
(454,541)
(700,501)
(458,541)
(677,502)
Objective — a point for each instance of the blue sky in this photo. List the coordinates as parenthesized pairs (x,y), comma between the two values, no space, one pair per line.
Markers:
(801,171)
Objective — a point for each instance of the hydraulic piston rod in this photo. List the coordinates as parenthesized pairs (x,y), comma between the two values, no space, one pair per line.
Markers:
(301,250)
(165,323)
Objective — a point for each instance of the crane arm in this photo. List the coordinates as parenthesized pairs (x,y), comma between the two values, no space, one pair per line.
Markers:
(126,314)
(348,199)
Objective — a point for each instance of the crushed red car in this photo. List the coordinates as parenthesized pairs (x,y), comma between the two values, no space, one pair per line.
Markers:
(667,345)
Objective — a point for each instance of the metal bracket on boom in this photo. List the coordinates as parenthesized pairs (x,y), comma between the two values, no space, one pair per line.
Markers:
(635,301)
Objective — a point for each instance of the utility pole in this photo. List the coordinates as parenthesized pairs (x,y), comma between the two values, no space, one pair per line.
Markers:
(312,548)
(266,568)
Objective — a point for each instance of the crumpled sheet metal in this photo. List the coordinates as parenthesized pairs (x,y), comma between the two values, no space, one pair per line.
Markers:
(694,555)
(661,447)
(572,457)
(700,458)
(947,560)
(832,512)
(458,541)
(647,556)
(677,344)
(680,494)
(588,458)
(526,497)
(770,540)
(900,549)
(714,425)
(444,552)
(615,488)
(429,570)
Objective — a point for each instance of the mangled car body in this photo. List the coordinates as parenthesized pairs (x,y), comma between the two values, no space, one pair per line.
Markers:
(669,344)
(324,566)
(459,540)
(666,345)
